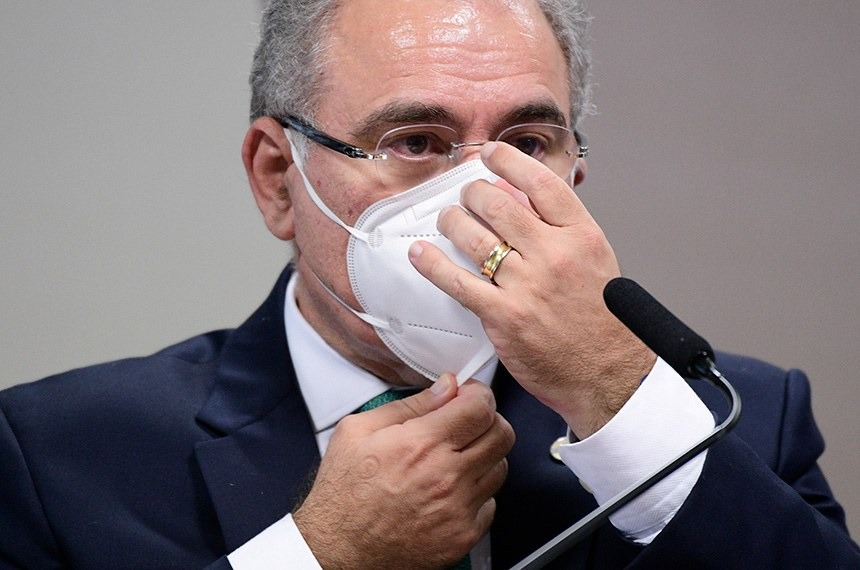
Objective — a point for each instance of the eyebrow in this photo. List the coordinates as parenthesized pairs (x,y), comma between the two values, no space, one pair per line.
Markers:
(397,114)
(400,113)
(537,112)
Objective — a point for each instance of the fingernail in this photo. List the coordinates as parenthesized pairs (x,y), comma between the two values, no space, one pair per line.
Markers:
(488,149)
(441,384)
(415,250)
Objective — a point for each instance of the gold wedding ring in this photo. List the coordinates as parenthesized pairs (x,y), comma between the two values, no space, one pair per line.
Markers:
(495,259)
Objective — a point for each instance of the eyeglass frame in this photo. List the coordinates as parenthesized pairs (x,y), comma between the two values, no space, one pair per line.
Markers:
(337,145)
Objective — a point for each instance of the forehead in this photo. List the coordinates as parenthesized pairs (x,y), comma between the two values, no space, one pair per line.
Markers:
(476,60)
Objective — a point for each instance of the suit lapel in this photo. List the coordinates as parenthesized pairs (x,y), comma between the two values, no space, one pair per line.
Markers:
(256,475)
(263,452)
(259,467)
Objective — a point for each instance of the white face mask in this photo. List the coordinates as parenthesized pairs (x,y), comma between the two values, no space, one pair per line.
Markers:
(420,324)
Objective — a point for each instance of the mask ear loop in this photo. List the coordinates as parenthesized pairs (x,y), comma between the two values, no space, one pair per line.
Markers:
(369,319)
(478,360)
(475,363)
(358,234)
(470,368)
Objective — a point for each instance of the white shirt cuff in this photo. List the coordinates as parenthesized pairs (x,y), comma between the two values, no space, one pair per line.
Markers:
(281,546)
(663,418)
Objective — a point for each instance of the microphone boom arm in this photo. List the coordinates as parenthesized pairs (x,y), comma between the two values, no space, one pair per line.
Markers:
(700,366)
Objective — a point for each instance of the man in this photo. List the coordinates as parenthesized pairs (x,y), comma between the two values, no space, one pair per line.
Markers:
(239,448)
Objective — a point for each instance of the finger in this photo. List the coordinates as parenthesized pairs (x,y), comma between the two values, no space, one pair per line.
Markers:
(485,516)
(489,483)
(490,447)
(415,406)
(518,194)
(462,420)
(462,285)
(472,237)
(502,212)
(551,196)
(475,529)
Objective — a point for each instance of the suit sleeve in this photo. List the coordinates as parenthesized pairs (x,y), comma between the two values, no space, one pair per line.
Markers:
(26,540)
(745,514)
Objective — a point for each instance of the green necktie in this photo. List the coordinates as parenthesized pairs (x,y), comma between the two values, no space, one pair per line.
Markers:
(384,398)
(465,563)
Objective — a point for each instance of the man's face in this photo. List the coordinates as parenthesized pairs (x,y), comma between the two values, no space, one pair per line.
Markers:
(473,65)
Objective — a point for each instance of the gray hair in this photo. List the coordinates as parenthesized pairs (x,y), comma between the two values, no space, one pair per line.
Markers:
(289,61)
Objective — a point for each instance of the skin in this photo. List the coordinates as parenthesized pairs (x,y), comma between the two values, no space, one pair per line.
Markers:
(477,61)
(555,336)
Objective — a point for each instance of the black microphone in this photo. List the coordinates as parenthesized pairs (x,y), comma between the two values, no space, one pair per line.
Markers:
(685,351)
(656,326)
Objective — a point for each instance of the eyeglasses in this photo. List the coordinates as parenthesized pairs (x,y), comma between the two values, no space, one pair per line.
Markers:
(407,156)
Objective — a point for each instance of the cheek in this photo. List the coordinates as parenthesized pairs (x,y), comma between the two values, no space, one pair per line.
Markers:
(320,241)
(347,187)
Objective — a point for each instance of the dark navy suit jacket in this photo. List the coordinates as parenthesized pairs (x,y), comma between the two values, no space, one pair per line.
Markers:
(176,459)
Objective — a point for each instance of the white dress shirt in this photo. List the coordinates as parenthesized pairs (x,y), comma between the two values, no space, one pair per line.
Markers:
(663,418)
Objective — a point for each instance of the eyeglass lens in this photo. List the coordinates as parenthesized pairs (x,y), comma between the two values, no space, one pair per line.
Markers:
(416,153)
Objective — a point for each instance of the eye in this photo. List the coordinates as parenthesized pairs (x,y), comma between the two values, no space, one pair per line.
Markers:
(414,146)
(531,144)
(537,141)
(418,143)
(542,141)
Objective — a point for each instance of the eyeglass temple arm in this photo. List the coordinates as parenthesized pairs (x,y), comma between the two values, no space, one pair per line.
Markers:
(291,122)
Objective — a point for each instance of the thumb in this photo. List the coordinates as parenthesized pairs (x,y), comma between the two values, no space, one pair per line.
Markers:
(400,411)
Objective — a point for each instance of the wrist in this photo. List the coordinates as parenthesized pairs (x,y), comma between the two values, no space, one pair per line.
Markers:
(614,386)
(329,552)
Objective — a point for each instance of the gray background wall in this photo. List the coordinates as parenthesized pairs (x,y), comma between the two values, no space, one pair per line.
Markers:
(724,170)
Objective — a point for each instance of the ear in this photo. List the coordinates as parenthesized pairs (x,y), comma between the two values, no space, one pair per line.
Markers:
(267,155)
(580,170)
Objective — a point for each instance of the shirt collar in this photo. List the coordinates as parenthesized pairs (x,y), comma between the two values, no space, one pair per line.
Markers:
(331,385)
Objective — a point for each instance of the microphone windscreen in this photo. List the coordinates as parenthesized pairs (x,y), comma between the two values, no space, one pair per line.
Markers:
(655,325)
